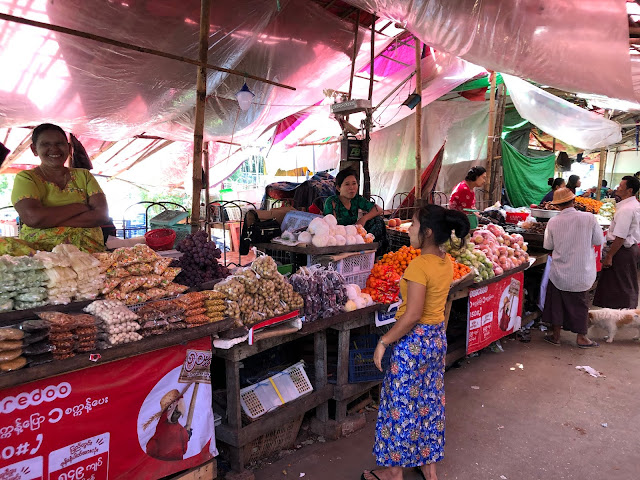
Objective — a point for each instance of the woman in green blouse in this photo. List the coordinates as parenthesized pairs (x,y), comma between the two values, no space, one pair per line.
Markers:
(348,204)
(57,204)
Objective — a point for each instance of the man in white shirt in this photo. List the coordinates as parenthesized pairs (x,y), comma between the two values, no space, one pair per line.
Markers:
(571,236)
(618,284)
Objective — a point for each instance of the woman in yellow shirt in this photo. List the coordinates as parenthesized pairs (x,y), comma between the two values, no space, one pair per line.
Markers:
(410,426)
(58,204)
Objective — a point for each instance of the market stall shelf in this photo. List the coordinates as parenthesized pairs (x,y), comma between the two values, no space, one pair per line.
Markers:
(117,352)
(311,250)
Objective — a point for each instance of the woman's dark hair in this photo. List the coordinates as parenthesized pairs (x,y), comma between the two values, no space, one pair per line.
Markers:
(573,181)
(555,183)
(442,221)
(474,173)
(344,174)
(43,128)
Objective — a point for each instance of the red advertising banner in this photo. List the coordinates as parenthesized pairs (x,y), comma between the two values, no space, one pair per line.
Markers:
(143,417)
(495,310)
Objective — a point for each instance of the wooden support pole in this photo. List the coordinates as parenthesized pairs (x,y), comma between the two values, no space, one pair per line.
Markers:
(613,167)
(491,135)
(354,55)
(418,170)
(366,179)
(205,181)
(136,48)
(601,170)
(201,96)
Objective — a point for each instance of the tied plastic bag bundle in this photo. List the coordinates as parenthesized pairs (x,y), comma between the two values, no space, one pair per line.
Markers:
(61,278)
(116,320)
(90,280)
(323,292)
(21,281)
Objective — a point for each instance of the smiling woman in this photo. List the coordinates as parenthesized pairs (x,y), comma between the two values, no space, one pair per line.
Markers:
(57,204)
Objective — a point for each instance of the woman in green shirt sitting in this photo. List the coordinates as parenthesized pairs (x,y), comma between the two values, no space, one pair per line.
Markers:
(348,204)
(57,204)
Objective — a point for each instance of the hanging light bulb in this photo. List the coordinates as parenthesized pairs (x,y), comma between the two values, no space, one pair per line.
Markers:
(245,97)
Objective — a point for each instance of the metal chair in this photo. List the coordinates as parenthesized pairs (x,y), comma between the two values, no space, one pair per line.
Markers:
(162,205)
(221,212)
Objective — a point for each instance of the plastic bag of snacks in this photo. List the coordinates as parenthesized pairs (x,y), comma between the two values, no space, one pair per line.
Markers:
(265,266)
(130,284)
(160,266)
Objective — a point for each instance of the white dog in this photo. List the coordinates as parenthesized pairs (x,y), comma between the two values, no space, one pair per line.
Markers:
(611,320)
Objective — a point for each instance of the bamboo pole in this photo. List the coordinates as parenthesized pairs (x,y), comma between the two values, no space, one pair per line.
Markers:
(492,127)
(207,200)
(366,183)
(201,96)
(613,167)
(601,170)
(603,161)
(136,48)
(418,170)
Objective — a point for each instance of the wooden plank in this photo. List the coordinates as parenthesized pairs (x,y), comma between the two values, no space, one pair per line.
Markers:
(351,390)
(234,407)
(343,358)
(242,351)
(118,352)
(320,366)
(311,250)
(272,420)
(208,471)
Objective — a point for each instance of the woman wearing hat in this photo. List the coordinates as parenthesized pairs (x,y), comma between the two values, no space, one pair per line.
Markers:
(571,236)
(463,196)
(170,440)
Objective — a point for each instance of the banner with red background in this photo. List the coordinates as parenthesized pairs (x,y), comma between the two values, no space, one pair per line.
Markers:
(495,310)
(100,423)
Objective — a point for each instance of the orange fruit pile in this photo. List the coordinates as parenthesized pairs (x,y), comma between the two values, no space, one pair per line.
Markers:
(400,260)
(459,270)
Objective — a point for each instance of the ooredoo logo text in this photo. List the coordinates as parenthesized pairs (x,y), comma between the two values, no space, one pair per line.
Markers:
(35,397)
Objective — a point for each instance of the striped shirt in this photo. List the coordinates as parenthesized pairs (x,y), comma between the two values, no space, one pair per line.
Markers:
(571,235)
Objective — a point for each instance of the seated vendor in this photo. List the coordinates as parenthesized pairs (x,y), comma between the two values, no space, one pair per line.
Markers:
(348,203)
(58,204)
(464,196)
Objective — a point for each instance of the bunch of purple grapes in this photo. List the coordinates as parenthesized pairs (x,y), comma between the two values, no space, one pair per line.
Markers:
(199,261)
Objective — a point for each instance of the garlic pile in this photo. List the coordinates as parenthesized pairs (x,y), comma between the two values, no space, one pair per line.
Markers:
(325,232)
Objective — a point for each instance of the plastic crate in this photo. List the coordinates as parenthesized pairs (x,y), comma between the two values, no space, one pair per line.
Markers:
(361,366)
(397,240)
(359,279)
(359,263)
(515,217)
(258,399)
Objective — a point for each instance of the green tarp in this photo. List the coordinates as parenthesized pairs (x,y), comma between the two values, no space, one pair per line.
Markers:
(526,178)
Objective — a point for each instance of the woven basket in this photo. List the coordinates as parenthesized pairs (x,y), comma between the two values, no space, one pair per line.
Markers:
(282,438)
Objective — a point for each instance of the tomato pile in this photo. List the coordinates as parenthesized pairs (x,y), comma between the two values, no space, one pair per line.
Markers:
(383,284)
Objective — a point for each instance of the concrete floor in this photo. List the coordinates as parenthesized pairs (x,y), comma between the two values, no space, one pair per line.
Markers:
(543,421)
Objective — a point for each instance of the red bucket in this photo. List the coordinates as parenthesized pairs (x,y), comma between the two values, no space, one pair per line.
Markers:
(160,238)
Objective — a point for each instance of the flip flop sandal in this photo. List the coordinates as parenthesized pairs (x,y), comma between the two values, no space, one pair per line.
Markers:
(590,345)
(362,477)
(523,336)
(549,339)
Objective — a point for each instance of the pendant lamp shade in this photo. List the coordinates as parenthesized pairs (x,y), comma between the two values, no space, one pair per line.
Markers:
(245,97)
